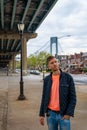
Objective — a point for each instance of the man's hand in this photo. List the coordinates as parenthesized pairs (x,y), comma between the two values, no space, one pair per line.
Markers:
(41,120)
(66,117)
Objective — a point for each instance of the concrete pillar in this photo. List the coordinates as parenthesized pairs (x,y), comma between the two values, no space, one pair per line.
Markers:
(13,64)
(24,56)
(9,65)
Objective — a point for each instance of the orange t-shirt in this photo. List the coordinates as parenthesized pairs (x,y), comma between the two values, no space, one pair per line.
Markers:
(54,96)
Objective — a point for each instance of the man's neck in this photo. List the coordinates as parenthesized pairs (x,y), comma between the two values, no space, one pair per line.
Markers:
(57,72)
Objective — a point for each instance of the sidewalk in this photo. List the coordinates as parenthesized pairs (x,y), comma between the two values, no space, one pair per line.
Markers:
(23,115)
(3,103)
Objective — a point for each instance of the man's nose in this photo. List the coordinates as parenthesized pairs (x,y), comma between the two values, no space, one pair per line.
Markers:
(55,63)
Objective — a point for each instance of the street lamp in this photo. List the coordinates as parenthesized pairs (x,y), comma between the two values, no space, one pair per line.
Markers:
(56,55)
(7,69)
(43,71)
(21,29)
(64,36)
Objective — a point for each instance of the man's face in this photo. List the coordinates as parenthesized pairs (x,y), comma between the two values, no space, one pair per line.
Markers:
(53,64)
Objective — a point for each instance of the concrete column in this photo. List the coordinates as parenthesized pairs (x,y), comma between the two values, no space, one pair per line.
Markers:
(13,64)
(24,56)
(9,65)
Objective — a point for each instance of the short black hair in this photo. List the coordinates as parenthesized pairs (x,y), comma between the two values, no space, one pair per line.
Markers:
(49,59)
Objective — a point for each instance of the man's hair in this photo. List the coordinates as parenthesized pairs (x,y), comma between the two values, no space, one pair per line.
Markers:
(49,59)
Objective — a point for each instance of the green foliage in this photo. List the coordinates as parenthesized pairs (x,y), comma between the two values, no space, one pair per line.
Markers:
(85,69)
(31,61)
(37,61)
(18,65)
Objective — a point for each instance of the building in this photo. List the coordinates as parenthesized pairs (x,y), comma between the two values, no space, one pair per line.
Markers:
(73,63)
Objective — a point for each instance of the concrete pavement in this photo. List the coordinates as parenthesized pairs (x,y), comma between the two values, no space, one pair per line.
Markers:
(23,115)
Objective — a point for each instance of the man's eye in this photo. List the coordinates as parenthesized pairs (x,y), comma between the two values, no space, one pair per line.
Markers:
(51,62)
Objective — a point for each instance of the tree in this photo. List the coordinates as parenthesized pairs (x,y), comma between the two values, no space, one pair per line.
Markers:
(18,64)
(31,61)
(36,61)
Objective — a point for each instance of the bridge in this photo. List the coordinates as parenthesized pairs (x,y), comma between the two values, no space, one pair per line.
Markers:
(32,13)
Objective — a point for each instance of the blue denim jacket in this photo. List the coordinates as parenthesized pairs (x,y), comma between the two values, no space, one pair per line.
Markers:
(67,94)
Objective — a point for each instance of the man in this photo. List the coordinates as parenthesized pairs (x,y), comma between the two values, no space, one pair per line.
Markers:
(58,98)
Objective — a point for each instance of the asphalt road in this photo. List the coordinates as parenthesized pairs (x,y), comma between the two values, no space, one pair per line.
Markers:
(78,78)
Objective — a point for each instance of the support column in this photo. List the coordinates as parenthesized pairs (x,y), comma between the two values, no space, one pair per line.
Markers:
(13,64)
(9,65)
(24,56)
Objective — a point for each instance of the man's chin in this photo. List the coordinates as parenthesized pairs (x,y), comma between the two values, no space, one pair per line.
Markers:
(55,70)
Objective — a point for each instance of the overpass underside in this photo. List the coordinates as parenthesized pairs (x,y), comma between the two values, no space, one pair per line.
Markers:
(32,13)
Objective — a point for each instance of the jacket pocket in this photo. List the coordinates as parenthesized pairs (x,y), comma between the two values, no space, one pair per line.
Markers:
(64,89)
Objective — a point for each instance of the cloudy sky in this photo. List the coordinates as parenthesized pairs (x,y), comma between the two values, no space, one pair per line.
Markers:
(68,17)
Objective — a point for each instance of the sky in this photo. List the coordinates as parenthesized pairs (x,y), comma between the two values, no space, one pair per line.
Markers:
(68,17)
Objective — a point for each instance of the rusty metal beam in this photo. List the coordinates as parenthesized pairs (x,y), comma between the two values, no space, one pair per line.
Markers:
(4,61)
(17,36)
(9,53)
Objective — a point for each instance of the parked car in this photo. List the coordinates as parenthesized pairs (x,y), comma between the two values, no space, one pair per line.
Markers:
(36,72)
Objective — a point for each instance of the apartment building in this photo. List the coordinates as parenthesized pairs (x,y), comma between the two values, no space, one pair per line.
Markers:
(76,62)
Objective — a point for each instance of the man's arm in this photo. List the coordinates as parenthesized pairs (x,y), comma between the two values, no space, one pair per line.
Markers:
(41,113)
(41,120)
(72,98)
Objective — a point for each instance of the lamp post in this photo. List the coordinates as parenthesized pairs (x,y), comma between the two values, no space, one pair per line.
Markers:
(43,71)
(21,96)
(64,36)
(7,69)
(56,55)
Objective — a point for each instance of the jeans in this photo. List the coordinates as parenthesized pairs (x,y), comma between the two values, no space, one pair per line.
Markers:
(55,121)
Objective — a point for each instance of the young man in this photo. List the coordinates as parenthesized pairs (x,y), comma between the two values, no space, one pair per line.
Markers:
(58,98)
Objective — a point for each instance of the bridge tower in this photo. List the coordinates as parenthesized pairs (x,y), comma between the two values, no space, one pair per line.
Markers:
(54,40)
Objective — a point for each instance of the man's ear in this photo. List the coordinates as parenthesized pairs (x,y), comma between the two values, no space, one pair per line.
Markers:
(49,67)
